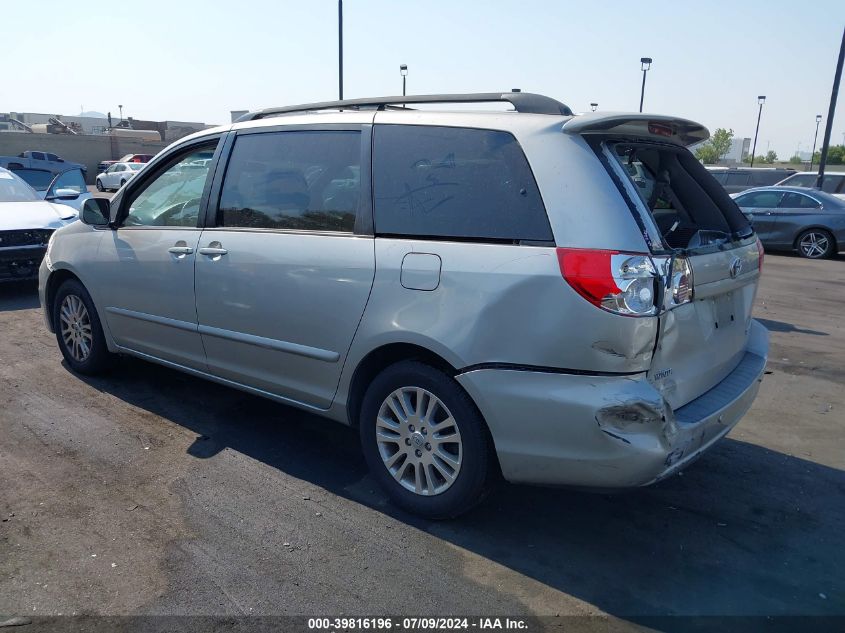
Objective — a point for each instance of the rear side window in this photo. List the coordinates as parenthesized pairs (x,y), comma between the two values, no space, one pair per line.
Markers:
(720,177)
(831,183)
(800,180)
(798,201)
(447,182)
(38,156)
(309,180)
(737,179)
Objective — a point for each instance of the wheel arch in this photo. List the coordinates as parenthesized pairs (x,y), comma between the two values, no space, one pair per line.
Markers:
(377,360)
(54,281)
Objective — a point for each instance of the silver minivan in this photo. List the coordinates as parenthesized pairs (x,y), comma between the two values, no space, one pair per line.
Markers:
(530,294)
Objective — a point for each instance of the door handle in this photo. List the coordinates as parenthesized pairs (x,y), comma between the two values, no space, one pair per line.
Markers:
(214,250)
(180,250)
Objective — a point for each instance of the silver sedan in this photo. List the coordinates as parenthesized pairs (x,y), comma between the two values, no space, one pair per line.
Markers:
(807,220)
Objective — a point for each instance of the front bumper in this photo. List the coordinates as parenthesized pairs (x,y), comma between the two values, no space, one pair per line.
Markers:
(20,264)
(607,431)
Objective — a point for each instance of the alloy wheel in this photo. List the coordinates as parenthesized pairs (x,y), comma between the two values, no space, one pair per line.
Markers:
(419,441)
(814,244)
(76,327)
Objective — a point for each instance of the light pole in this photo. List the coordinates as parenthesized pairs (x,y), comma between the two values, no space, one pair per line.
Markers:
(340,50)
(828,126)
(760,100)
(815,138)
(121,112)
(403,70)
(593,106)
(646,66)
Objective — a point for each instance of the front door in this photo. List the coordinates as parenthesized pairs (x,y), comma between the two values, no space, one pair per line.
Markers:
(147,264)
(282,277)
(760,207)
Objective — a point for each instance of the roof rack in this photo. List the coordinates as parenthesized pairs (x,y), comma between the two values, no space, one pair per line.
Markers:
(521,101)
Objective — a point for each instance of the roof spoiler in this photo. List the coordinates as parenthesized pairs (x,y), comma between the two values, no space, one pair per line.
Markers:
(665,128)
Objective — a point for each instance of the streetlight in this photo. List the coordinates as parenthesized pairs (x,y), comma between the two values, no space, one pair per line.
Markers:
(593,106)
(121,112)
(761,100)
(646,66)
(403,70)
(815,138)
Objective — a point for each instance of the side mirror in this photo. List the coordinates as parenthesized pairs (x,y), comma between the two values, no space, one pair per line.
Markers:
(64,194)
(96,212)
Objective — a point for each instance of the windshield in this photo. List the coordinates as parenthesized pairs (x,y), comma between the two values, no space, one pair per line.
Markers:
(38,179)
(13,189)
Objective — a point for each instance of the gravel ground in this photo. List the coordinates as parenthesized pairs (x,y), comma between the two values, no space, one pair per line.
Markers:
(151,492)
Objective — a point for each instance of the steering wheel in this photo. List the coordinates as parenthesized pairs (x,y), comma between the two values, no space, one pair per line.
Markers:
(164,219)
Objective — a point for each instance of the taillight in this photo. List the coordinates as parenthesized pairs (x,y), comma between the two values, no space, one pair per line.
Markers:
(622,283)
(760,256)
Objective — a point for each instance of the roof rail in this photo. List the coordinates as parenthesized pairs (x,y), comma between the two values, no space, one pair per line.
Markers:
(521,101)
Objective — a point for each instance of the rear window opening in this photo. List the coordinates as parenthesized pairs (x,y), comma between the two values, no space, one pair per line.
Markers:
(687,208)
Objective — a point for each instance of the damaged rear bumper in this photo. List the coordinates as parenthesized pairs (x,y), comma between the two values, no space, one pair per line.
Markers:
(606,431)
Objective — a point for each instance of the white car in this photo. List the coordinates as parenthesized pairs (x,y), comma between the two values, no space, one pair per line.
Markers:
(26,224)
(67,188)
(834,183)
(117,175)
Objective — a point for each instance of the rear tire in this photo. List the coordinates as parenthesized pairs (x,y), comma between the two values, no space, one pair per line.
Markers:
(815,244)
(78,330)
(433,456)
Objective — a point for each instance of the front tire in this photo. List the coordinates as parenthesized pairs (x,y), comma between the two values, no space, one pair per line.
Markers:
(100,187)
(815,244)
(78,330)
(425,441)
(122,182)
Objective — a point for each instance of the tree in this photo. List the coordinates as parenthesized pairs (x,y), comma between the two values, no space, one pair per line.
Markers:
(715,149)
(796,159)
(771,157)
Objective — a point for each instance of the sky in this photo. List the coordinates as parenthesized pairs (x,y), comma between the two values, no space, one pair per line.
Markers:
(194,60)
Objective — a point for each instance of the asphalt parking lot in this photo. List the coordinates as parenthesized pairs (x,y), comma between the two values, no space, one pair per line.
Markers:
(151,492)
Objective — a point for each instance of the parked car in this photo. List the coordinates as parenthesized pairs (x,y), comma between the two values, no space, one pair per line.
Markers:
(477,292)
(834,183)
(103,165)
(26,224)
(40,160)
(736,179)
(117,175)
(802,219)
(67,188)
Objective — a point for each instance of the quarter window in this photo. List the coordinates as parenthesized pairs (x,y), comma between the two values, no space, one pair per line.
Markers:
(173,197)
(447,182)
(304,180)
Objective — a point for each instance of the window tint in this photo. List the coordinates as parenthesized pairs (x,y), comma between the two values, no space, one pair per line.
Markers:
(455,182)
(737,179)
(53,157)
(720,176)
(38,156)
(798,201)
(38,179)
(760,199)
(309,180)
(173,197)
(766,178)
